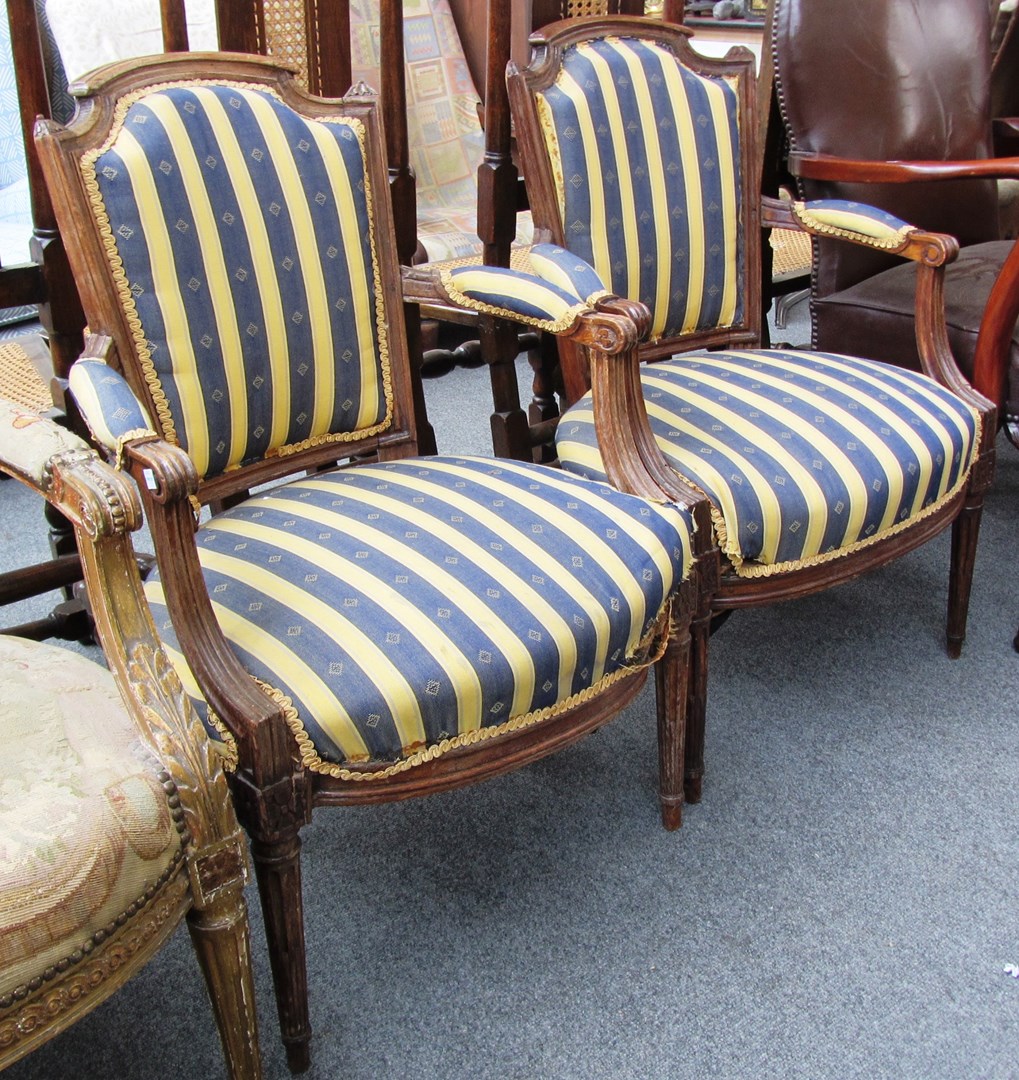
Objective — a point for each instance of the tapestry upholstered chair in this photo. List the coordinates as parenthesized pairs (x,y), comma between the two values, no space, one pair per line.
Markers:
(641,157)
(899,116)
(115,818)
(355,634)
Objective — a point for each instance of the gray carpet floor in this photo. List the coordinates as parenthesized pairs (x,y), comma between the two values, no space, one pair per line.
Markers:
(843,903)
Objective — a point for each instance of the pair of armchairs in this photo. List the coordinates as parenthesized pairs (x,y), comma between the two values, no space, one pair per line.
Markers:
(379,625)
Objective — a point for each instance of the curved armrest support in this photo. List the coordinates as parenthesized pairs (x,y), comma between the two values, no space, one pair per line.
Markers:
(566,297)
(168,481)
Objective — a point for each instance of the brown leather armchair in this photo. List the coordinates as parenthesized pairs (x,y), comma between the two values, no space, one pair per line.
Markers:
(879,101)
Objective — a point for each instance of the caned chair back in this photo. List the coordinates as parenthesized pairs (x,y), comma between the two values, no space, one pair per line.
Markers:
(246,240)
(648,168)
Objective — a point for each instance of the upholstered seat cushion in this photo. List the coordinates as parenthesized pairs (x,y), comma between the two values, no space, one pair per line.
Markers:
(87,834)
(804,456)
(411,607)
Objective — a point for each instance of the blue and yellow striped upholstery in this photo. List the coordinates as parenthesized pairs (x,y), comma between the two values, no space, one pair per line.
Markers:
(854,221)
(242,239)
(547,286)
(645,156)
(804,456)
(411,607)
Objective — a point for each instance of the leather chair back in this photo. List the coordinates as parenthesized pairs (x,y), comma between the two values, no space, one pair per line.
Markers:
(874,80)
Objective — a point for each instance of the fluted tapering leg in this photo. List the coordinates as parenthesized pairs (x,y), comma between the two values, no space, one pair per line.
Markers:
(965,531)
(223,945)
(671,682)
(278,871)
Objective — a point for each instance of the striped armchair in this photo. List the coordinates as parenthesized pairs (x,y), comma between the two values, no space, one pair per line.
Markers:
(375,624)
(640,157)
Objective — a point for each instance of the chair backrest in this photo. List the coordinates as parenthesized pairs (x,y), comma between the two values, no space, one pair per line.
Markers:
(241,255)
(874,80)
(640,156)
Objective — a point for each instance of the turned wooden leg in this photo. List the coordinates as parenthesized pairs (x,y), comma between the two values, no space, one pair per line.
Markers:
(219,933)
(671,682)
(499,346)
(965,530)
(278,871)
(693,777)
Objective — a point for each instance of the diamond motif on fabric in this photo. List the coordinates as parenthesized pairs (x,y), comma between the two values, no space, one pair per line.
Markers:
(336,667)
(274,209)
(182,225)
(432,687)
(534,635)
(211,161)
(165,168)
(373,720)
(484,657)
(221,588)
(294,631)
(194,284)
(392,638)
(275,559)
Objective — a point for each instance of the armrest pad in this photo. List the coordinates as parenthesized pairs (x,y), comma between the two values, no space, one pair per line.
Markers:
(855,221)
(547,287)
(108,404)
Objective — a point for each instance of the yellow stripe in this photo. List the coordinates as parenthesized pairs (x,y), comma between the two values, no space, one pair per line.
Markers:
(361,276)
(216,271)
(281,158)
(262,264)
(694,195)
(292,670)
(629,212)
(599,233)
(167,291)
(505,638)
(660,208)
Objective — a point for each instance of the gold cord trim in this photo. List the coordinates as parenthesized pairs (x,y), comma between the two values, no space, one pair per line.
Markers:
(554,326)
(131,436)
(649,651)
(546,121)
(807,217)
